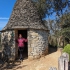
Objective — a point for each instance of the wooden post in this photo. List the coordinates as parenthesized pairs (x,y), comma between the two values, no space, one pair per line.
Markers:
(63,62)
(16,47)
(66,64)
(66,55)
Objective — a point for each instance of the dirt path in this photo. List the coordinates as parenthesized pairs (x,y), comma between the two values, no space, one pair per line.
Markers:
(41,64)
(44,63)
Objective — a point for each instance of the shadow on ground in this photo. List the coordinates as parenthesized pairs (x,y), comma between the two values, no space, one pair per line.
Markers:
(10,65)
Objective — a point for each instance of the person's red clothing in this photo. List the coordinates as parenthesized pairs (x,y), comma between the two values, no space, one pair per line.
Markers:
(21,41)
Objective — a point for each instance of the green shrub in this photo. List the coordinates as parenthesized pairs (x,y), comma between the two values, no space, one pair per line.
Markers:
(67,49)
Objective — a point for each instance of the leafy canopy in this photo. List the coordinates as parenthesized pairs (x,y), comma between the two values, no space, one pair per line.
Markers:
(50,6)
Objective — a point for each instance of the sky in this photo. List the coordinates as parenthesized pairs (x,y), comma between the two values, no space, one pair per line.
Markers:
(6,7)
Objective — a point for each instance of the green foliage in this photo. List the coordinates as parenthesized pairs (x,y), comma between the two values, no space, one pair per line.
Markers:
(67,49)
(51,6)
(64,21)
(61,9)
(41,6)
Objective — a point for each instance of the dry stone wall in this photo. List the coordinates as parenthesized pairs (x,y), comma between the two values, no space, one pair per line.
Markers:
(37,43)
(8,44)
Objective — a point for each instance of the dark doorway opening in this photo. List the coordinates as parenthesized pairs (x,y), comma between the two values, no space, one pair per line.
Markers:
(25,51)
(52,48)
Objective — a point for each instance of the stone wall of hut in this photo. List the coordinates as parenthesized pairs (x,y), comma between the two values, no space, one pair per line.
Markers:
(37,43)
(8,44)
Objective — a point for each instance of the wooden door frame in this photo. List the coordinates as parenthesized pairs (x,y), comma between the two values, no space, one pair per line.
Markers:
(16,36)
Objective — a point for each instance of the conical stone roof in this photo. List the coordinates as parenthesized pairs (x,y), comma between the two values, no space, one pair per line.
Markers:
(24,15)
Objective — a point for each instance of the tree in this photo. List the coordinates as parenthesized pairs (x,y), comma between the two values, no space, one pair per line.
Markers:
(0,38)
(41,7)
(50,6)
(65,26)
(60,7)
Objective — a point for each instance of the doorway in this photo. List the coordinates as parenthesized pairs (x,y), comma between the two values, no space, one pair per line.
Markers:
(25,51)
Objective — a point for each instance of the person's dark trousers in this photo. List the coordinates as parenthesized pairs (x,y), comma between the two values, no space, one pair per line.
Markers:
(21,52)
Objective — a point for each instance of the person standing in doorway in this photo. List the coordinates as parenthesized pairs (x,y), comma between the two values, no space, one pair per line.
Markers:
(20,41)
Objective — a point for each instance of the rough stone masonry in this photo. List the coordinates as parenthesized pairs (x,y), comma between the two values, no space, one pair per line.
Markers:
(38,44)
(25,16)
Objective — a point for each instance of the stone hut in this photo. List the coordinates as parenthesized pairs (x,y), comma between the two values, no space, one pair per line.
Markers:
(25,20)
